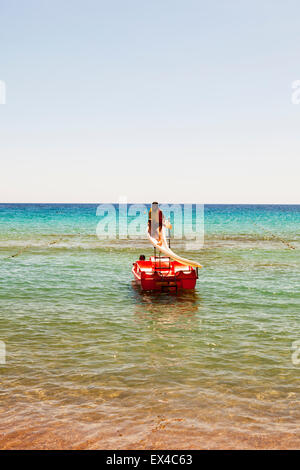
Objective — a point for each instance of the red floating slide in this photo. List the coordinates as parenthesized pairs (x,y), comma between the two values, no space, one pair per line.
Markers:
(169,272)
(160,273)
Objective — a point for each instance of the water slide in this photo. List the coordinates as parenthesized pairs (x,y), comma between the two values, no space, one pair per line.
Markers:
(164,248)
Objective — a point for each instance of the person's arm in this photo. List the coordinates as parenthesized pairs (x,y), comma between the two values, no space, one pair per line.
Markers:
(166,223)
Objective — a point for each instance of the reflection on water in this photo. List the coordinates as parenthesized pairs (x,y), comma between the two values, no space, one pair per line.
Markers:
(163,308)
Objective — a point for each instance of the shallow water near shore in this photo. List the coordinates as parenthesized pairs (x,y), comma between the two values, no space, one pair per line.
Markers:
(93,362)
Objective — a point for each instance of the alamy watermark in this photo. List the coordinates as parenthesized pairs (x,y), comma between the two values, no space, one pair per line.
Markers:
(2,352)
(296,353)
(2,92)
(130,221)
(295,98)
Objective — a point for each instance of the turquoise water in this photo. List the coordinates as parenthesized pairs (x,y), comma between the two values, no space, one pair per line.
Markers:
(92,362)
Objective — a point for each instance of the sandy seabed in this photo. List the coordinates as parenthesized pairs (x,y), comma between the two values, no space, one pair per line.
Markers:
(157,433)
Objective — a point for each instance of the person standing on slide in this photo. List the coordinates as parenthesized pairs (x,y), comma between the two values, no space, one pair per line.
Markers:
(156,220)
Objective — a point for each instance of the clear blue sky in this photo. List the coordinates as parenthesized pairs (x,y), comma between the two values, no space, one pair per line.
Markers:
(180,101)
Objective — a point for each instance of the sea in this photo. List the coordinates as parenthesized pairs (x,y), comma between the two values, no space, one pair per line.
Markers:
(89,361)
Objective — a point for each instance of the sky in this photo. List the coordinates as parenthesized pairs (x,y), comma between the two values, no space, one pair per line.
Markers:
(175,101)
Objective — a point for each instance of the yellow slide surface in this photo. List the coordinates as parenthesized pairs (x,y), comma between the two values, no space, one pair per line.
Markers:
(164,248)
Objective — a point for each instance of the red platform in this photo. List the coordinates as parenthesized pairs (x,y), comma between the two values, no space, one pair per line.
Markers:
(161,273)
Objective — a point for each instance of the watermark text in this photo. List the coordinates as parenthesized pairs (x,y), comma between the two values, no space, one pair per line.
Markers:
(2,352)
(296,92)
(2,92)
(296,353)
(130,221)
